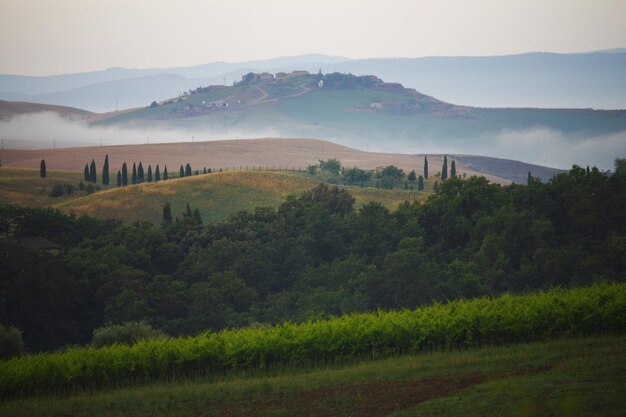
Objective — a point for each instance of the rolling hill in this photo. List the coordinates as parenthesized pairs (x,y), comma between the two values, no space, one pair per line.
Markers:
(267,153)
(216,196)
(368,113)
(9,109)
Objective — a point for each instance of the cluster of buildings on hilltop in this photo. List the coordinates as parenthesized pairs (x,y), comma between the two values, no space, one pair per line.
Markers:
(206,107)
(252,77)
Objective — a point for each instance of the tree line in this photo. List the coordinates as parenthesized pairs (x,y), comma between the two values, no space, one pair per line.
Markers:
(316,255)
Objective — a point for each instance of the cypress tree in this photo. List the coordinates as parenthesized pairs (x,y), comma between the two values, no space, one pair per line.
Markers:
(42,169)
(157,174)
(92,172)
(165,176)
(452,169)
(140,176)
(167,213)
(196,217)
(425,167)
(444,169)
(105,171)
(124,175)
(204,171)
(420,183)
(188,172)
(529,180)
(149,173)
(182,171)
(86,173)
(119,179)
(133,179)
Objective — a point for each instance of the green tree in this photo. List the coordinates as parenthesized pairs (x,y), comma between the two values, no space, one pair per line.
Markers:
(140,173)
(204,170)
(124,175)
(167,212)
(149,178)
(105,171)
(42,169)
(452,169)
(86,173)
(119,179)
(332,166)
(425,167)
(133,179)
(182,172)
(11,342)
(444,169)
(420,183)
(620,165)
(436,187)
(165,176)
(92,172)
(188,172)
(412,176)
(157,173)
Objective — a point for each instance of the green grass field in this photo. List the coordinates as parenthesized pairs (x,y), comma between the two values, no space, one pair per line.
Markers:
(216,195)
(24,187)
(567,377)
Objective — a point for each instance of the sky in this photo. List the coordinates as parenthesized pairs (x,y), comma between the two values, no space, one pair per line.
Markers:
(44,37)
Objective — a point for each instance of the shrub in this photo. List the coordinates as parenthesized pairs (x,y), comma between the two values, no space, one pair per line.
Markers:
(57,190)
(90,189)
(11,342)
(126,334)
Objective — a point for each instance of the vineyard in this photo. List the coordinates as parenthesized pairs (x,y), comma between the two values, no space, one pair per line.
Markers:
(462,324)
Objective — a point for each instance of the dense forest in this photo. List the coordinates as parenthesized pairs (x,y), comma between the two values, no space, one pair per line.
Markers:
(316,255)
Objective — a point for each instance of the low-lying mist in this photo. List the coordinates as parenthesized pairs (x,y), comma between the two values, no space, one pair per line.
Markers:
(536,146)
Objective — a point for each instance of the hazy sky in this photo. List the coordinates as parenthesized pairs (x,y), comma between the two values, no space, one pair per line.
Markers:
(40,37)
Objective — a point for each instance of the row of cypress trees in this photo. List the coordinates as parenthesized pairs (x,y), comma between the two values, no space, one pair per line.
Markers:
(138,175)
(444,169)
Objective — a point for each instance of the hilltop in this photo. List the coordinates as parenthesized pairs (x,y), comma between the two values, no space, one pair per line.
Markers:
(9,109)
(368,112)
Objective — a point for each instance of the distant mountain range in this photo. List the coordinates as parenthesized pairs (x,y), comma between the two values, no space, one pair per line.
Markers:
(548,80)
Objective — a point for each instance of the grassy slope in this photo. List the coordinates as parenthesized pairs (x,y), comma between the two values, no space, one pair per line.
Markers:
(24,187)
(564,378)
(216,195)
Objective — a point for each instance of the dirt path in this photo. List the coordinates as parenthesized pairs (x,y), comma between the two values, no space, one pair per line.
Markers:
(368,399)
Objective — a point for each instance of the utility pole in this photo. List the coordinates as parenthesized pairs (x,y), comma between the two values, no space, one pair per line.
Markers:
(54,143)
(192,139)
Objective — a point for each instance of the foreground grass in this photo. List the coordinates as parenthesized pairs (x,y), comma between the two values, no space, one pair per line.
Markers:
(216,195)
(579,377)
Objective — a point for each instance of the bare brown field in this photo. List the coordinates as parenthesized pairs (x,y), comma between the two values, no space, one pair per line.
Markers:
(267,152)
